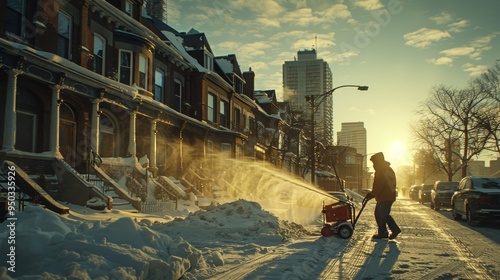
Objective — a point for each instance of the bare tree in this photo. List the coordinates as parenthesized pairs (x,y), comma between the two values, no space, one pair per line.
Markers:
(449,125)
(427,165)
(489,82)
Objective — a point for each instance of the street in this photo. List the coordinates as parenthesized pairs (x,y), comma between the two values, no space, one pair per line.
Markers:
(431,246)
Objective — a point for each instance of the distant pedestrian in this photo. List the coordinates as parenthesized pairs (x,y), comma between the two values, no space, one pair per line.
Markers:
(384,192)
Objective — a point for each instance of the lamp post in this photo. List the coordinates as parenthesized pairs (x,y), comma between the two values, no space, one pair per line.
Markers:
(311,98)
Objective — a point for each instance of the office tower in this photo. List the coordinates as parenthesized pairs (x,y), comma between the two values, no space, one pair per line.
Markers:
(308,75)
(353,134)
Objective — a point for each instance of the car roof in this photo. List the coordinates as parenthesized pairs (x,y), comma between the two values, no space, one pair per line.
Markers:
(485,182)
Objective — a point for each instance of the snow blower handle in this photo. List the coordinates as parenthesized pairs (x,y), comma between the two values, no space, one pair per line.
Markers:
(365,201)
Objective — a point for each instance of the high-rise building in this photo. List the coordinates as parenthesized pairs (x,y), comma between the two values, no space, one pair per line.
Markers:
(353,134)
(308,75)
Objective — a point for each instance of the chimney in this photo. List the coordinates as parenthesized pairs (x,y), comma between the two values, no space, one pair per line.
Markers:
(249,87)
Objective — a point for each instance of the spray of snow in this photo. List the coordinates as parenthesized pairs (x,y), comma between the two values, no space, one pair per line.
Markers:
(287,197)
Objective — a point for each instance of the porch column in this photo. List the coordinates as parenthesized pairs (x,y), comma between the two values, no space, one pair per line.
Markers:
(131,135)
(54,121)
(9,134)
(94,133)
(152,152)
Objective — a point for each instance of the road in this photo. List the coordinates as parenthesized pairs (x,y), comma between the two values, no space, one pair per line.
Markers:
(431,246)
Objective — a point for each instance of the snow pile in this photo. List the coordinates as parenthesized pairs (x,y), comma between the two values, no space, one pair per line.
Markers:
(50,246)
(121,245)
(236,221)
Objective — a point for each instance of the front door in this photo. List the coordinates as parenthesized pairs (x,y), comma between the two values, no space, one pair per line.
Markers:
(67,141)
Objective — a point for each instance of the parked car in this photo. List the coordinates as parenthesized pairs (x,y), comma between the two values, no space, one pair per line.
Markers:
(441,194)
(342,196)
(478,198)
(413,193)
(424,194)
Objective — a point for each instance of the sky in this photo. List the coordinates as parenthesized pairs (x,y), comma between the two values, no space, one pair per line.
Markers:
(401,49)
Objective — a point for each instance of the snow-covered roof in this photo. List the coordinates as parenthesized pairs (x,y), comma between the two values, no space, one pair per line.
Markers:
(225,65)
(177,43)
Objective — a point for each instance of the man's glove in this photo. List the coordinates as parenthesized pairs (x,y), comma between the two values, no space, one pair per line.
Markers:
(367,198)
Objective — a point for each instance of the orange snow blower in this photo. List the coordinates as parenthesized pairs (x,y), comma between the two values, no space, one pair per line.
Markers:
(340,218)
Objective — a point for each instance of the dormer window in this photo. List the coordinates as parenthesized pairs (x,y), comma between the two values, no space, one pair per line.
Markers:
(209,61)
(128,7)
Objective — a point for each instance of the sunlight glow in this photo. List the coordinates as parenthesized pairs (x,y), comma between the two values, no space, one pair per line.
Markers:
(397,152)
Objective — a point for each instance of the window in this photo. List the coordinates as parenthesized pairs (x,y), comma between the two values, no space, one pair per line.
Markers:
(64,35)
(128,7)
(224,114)
(251,124)
(159,84)
(16,14)
(99,54)
(209,61)
(125,67)
(177,96)
(143,71)
(236,119)
(211,107)
(226,149)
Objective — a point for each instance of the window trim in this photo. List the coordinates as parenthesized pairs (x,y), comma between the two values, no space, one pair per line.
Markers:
(143,59)
(103,56)
(212,108)
(159,96)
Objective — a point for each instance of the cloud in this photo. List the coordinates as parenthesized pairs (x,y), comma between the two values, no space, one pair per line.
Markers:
(424,37)
(458,26)
(336,11)
(268,22)
(300,17)
(441,61)
(369,5)
(258,66)
(264,8)
(458,51)
(442,18)
(474,70)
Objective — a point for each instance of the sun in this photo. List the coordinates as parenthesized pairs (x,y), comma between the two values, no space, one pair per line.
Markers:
(397,151)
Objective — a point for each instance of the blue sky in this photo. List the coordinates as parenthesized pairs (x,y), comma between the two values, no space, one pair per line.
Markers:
(401,49)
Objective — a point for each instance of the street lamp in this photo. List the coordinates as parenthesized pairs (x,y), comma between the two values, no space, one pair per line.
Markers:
(311,98)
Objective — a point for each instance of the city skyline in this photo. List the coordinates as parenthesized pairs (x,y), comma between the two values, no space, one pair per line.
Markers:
(400,49)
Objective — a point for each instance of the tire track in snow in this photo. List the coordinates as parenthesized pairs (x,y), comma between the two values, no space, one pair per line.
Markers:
(472,266)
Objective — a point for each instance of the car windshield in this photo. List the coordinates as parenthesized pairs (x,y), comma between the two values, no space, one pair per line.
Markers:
(427,187)
(489,183)
(447,186)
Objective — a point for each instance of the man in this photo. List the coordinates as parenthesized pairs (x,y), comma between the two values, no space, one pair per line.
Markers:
(384,191)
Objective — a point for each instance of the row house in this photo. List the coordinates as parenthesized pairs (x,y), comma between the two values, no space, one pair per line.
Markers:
(89,80)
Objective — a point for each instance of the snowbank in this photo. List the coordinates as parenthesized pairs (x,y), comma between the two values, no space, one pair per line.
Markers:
(121,245)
